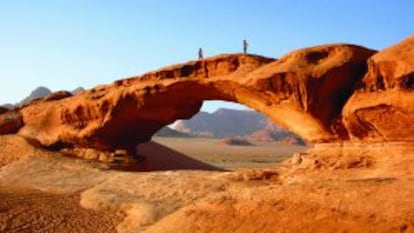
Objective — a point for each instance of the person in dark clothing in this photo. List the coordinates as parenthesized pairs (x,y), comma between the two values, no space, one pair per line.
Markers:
(200,53)
(245,45)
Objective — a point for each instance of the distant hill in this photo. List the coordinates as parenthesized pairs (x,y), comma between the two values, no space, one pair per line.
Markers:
(223,123)
(8,106)
(229,123)
(37,93)
(168,132)
(77,90)
(272,132)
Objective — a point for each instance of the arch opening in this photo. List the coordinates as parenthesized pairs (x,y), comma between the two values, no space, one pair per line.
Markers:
(182,100)
(226,135)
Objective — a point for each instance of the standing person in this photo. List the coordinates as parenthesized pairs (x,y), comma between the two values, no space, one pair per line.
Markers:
(200,53)
(245,45)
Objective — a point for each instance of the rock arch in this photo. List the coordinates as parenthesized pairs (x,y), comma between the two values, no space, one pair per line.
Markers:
(303,91)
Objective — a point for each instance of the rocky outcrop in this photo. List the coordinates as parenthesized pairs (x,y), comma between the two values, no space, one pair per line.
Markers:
(10,122)
(303,92)
(3,109)
(382,106)
(130,111)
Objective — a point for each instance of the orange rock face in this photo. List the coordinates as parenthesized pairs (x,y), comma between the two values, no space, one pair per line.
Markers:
(130,111)
(382,106)
(303,92)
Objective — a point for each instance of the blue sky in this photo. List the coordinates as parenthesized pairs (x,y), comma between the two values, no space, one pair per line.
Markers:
(66,44)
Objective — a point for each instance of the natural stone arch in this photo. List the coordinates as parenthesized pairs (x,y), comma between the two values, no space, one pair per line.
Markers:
(303,92)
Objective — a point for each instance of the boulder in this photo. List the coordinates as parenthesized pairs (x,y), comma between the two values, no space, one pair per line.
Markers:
(10,122)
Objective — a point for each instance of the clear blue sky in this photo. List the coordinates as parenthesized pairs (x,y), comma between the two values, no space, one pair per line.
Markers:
(66,44)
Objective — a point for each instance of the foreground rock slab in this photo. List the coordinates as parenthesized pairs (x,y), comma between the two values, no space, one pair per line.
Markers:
(321,190)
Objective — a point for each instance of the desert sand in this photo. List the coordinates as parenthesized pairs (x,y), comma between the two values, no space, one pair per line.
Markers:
(33,210)
(310,192)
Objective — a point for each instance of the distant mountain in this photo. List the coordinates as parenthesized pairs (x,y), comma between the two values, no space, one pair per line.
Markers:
(37,93)
(229,123)
(272,132)
(168,132)
(77,90)
(223,123)
(8,106)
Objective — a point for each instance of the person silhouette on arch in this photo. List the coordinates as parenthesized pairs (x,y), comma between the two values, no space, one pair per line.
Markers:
(245,45)
(200,54)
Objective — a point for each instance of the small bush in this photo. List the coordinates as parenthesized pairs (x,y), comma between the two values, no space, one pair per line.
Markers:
(237,142)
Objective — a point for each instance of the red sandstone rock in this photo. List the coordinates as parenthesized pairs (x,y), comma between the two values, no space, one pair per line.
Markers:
(132,110)
(3,110)
(304,92)
(382,107)
(57,96)
(10,122)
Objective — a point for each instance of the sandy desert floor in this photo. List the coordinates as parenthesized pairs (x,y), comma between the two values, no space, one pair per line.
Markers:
(32,210)
(215,152)
(46,192)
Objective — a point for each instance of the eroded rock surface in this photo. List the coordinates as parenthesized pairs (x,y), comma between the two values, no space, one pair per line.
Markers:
(303,92)
(15,148)
(382,107)
(10,122)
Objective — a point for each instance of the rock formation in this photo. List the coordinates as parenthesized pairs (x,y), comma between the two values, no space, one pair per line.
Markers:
(361,180)
(382,106)
(304,91)
(3,109)
(130,111)
(10,122)
(14,148)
